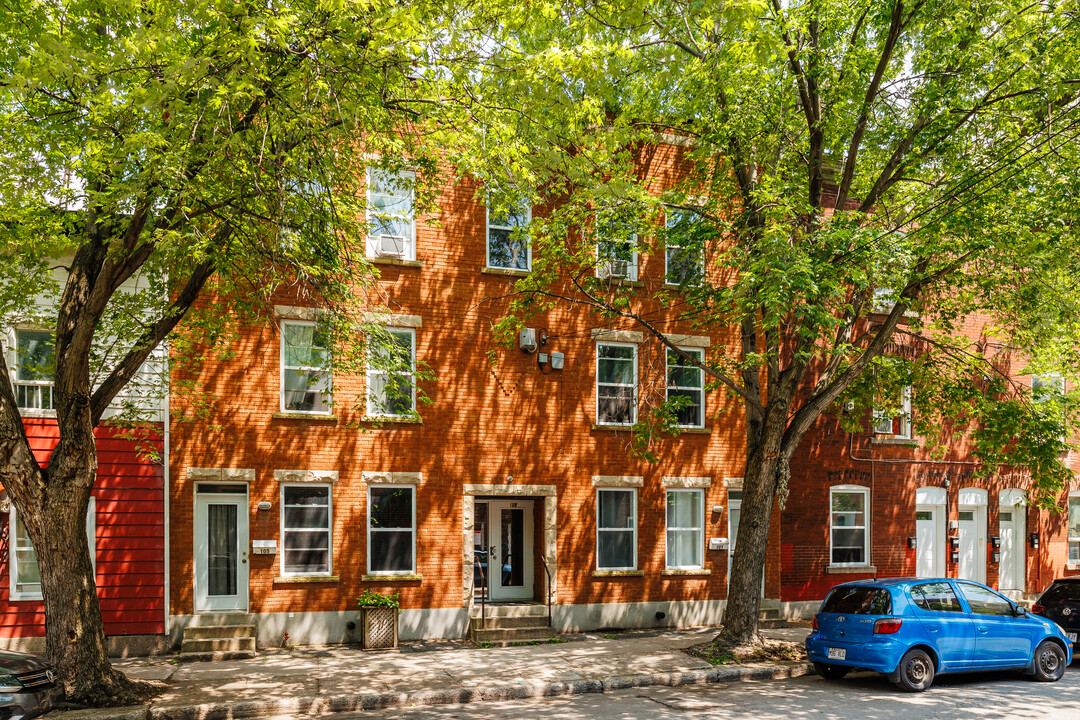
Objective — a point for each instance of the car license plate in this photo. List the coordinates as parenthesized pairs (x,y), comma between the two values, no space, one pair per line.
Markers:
(837,653)
(1071,636)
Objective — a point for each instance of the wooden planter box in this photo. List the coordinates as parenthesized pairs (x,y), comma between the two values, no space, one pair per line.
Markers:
(380,625)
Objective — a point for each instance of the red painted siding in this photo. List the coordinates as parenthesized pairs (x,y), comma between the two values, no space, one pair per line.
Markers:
(130,536)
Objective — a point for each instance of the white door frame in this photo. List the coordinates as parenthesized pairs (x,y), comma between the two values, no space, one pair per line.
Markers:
(1012,552)
(497,589)
(932,545)
(204,602)
(972,534)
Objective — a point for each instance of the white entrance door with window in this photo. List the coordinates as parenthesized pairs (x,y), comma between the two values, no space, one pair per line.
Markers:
(972,532)
(510,552)
(1011,535)
(930,532)
(221,547)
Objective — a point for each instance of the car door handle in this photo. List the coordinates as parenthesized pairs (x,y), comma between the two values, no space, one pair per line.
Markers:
(932,629)
(982,630)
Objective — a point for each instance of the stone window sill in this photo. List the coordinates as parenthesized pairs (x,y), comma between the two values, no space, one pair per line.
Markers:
(695,431)
(899,442)
(392,419)
(306,579)
(1072,566)
(413,577)
(851,570)
(613,428)
(314,417)
(394,261)
(506,272)
(687,573)
(619,282)
(604,574)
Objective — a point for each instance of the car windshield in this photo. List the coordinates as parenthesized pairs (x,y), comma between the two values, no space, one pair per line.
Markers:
(1061,591)
(858,601)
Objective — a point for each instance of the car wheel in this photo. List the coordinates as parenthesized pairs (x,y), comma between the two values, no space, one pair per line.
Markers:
(830,672)
(1049,661)
(915,672)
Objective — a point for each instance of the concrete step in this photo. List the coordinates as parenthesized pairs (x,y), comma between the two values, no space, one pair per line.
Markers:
(216,656)
(769,614)
(246,644)
(204,619)
(206,632)
(510,611)
(509,635)
(769,618)
(498,623)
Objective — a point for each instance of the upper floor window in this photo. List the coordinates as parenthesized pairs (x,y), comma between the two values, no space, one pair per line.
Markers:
(35,359)
(616,246)
(508,236)
(684,261)
(686,380)
(391,385)
(616,384)
(24,576)
(391,222)
(1045,387)
(305,367)
(848,537)
(897,425)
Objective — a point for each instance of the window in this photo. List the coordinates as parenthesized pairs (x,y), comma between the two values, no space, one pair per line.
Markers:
(847,532)
(687,380)
(858,601)
(508,236)
(616,384)
(685,529)
(1047,387)
(1074,528)
(616,246)
(391,535)
(391,390)
(391,225)
(896,425)
(24,577)
(985,602)
(35,358)
(684,261)
(936,597)
(616,529)
(305,367)
(305,529)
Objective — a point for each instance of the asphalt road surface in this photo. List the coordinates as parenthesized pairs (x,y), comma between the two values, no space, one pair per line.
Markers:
(858,697)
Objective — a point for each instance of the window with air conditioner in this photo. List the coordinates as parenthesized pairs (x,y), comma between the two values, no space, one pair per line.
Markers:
(892,423)
(391,223)
(616,246)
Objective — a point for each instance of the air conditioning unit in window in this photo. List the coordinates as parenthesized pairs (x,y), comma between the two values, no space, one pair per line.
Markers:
(615,269)
(883,424)
(390,246)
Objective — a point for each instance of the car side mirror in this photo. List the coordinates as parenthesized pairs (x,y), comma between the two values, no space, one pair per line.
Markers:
(1019,610)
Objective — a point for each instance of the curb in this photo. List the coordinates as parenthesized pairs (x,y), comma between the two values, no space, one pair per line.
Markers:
(418,698)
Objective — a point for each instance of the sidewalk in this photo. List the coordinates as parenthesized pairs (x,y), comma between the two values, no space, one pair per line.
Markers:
(341,679)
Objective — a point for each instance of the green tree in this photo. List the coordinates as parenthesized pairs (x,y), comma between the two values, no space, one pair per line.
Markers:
(942,132)
(183,148)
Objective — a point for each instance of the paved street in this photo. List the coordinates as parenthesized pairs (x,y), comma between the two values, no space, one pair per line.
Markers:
(862,697)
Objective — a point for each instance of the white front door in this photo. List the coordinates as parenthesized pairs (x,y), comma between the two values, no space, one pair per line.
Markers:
(1011,561)
(929,538)
(972,543)
(510,553)
(221,548)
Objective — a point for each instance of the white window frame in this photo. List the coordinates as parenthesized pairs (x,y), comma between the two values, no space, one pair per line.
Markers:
(39,385)
(634,385)
(407,178)
(669,247)
(1073,533)
(632,530)
(865,527)
(14,593)
(370,530)
(1053,380)
(372,373)
(282,369)
(700,529)
(604,268)
(885,424)
(282,530)
(668,387)
(510,229)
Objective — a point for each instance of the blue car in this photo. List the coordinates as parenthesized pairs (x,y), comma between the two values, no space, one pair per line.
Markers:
(912,629)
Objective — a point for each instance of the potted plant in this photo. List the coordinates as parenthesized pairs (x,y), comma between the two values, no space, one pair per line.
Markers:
(379,619)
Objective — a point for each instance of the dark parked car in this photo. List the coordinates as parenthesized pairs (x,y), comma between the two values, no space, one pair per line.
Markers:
(1061,603)
(28,686)
(912,629)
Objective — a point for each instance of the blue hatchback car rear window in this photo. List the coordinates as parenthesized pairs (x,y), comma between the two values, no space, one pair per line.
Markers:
(858,601)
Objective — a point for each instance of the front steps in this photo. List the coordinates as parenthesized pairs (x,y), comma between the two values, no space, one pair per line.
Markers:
(769,617)
(218,636)
(508,624)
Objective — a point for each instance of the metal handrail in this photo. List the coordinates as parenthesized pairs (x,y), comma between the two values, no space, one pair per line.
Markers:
(483,592)
(547,570)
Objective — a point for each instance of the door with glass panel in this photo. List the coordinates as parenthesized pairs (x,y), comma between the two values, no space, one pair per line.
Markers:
(510,555)
(221,548)
(972,543)
(1011,533)
(929,541)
